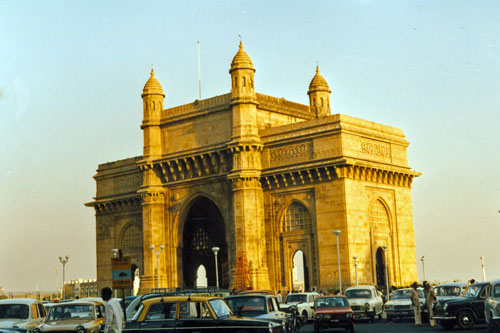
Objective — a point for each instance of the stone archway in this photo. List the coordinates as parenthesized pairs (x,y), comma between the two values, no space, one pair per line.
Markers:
(203,229)
(380,268)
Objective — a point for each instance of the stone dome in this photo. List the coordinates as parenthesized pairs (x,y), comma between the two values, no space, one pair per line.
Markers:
(241,60)
(153,86)
(318,83)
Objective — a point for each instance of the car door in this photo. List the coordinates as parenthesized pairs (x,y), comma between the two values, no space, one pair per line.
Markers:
(196,317)
(159,318)
(478,304)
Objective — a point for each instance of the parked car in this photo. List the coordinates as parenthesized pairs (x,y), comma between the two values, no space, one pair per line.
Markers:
(263,307)
(450,290)
(365,302)
(400,306)
(188,313)
(462,311)
(76,316)
(24,313)
(304,303)
(492,306)
(333,312)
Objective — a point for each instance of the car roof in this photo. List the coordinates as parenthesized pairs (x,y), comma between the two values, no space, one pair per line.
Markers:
(27,301)
(250,295)
(77,302)
(180,298)
(452,284)
(307,293)
(360,287)
(330,296)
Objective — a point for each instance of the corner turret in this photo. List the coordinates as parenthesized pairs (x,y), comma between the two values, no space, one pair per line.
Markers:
(319,95)
(242,76)
(153,97)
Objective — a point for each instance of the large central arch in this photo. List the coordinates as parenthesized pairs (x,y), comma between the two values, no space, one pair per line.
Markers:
(203,229)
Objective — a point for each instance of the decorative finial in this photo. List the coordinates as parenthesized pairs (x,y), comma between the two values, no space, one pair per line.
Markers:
(317,67)
(241,42)
(152,72)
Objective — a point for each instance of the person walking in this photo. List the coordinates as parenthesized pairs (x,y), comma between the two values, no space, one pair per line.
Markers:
(430,298)
(416,303)
(115,321)
(279,297)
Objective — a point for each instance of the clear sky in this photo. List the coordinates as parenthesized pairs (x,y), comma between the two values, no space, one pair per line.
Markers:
(72,72)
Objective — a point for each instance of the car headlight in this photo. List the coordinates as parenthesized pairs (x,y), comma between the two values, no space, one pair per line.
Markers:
(320,316)
(349,315)
(445,306)
(270,327)
(388,306)
(80,329)
(498,308)
(367,307)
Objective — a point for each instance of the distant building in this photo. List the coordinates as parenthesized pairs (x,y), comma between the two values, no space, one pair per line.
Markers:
(81,288)
(261,178)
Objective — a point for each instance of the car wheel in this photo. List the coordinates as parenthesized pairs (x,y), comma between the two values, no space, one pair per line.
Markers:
(304,317)
(372,317)
(447,324)
(316,329)
(465,319)
(389,319)
(492,327)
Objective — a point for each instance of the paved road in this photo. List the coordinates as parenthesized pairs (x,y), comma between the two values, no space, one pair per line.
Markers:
(400,327)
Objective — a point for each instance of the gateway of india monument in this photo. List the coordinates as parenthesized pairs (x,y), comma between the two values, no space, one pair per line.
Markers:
(264,180)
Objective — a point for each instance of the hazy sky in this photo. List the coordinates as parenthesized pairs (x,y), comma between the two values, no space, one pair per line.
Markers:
(72,72)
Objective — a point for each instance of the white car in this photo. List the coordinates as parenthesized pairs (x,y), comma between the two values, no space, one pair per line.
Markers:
(400,305)
(492,306)
(304,303)
(24,313)
(365,302)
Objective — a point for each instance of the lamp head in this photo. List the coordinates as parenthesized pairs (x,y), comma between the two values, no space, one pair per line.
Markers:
(336,232)
(152,247)
(384,247)
(355,258)
(162,247)
(215,249)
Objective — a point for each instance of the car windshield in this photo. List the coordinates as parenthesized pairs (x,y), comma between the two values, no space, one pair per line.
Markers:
(220,308)
(17,311)
(448,291)
(331,302)
(295,298)
(358,293)
(250,306)
(473,291)
(406,293)
(71,311)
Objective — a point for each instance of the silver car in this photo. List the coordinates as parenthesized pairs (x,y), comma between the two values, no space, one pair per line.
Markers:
(492,306)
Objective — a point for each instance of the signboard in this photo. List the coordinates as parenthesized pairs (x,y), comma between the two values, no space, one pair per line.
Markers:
(121,273)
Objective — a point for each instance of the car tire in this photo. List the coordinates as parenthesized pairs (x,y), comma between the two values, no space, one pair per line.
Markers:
(372,317)
(447,324)
(465,319)
(389,319)
(316,329)
(350,329)
(492,327)
(304,317)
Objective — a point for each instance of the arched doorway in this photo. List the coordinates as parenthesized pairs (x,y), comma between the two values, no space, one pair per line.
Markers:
(201,277)
(203,229)
(380,268)
(300,274)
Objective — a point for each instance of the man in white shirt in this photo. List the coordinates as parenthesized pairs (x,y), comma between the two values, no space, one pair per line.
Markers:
(115,321)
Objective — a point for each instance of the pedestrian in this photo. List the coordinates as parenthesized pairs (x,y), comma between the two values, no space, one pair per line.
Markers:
(430,298)
(416,303)
(279,297)
(115,322)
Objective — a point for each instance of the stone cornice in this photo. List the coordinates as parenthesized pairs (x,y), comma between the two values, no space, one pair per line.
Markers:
(377,175)
(212,163)
(115,205)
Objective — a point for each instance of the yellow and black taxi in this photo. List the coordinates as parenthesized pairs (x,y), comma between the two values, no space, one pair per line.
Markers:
(190,313)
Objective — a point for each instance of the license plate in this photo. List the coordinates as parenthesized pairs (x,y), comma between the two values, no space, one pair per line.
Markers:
(335,320)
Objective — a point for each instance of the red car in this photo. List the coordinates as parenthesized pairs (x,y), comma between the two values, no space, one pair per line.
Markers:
(333,312)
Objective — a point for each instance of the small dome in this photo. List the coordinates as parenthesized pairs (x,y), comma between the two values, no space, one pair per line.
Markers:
(241,60)
(318,83)
(153,86)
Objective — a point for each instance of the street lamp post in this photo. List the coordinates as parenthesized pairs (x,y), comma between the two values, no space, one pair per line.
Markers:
(356,268)
(337,233)
(386,273)
(215,249)
(482,266)
(63,262)
(423,266)
(157,263)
